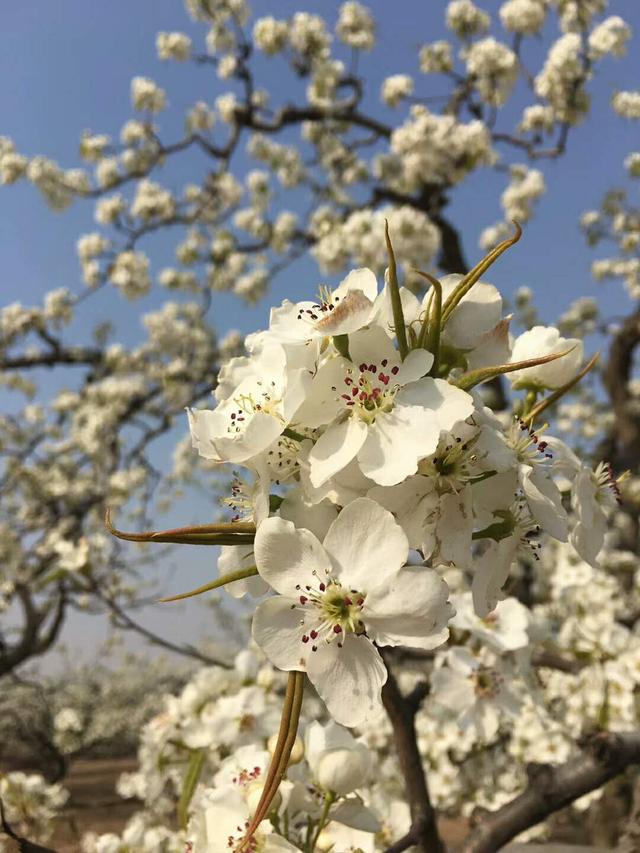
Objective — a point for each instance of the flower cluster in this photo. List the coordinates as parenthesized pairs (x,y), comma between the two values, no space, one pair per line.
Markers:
(374,470)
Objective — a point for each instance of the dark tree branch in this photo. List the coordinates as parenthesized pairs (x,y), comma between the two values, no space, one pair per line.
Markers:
(604,757)
(625,450)
(401,711)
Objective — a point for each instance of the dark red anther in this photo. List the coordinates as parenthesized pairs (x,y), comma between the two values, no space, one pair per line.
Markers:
(303,599)
(395,370)
(337,629)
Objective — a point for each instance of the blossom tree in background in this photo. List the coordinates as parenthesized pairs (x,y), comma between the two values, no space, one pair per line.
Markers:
(393,495)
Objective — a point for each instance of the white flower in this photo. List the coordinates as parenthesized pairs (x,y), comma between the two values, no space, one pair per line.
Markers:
(337,312)
(610,37)
(395,89)
(175,46)
(524,17)
(436,58)
(476,693)
(466,19)
(356,27)
(337,598)
(146,95)
(338,762)
(222,826)
(255,413)
(379,410)
(270,35)
(541,341)
(503,630)
(627,104)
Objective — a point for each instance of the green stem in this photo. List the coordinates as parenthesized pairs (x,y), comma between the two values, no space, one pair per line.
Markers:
(291,433)
(194,768)
(329,799)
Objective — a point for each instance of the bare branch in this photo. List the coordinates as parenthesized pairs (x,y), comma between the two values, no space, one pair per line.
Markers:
(605,756)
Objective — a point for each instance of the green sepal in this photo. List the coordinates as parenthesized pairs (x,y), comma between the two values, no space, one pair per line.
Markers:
(484,374)
(223,580)
(191,779)
(341,343)
(396,301)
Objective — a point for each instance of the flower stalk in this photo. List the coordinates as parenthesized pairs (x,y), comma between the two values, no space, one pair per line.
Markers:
(281,754)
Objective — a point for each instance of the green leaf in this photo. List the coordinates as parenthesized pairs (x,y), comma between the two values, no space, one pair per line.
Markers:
(484,374)
(223,580)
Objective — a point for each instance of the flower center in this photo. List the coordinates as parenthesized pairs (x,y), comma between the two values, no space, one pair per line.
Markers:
(371,391)
(453,464)
(246,777)
(526,444)
(608,487)
(264,400)
(486,682)
(240,502)
(330,611)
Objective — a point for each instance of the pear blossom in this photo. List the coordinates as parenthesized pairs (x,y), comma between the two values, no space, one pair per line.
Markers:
(545,340)
(222,826)
(338,762)
(383,411)
(337,598)
(255,413)
(476,692)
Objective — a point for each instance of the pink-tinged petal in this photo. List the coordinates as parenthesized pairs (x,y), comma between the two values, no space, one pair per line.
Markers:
(335,449)
(367,545)
(348,679)
(545,502)
(287,556)
(277,630)
(362,279)
(415,366)
(410,609)
(396,442)
(349,314)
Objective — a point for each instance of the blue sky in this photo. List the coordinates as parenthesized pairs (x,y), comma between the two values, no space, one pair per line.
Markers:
(67,66)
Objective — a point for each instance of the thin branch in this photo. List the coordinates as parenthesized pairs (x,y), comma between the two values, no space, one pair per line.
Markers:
(604,757)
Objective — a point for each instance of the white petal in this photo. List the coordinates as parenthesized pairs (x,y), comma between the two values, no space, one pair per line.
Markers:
(412,502)
(234,557)
(372,345)
(491,572)
(335,449)
(277,630)
(323,403)
(455,528)
(349,679)
(367,544)
(287,556)
(415,366)
(545,502)
(448,403)
(396,441)
(410,609)
(359,279)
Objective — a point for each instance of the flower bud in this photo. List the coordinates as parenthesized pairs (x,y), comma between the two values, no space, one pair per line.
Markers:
(344,770)
(297,753)
(254,792)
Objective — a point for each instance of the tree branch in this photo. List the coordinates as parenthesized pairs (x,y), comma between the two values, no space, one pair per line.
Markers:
(605,756)
(401,711)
